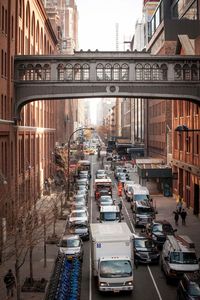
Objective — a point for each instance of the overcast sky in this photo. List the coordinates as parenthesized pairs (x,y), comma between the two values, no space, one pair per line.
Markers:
(97,22)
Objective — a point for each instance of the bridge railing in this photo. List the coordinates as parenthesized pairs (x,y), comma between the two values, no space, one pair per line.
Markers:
(113,69)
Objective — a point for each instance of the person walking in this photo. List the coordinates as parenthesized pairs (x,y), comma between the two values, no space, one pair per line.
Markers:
(179,204)
(176,217)
(183,216)
(9,280)
(120,205)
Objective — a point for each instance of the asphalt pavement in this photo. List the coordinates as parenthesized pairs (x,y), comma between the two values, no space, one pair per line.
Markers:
(165,207)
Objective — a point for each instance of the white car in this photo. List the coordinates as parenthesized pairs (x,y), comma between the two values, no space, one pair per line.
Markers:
(79,215)
(72,246)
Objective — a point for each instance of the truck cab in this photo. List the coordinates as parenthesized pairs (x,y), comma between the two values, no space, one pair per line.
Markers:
(102,184)
(112,256)
(110,214)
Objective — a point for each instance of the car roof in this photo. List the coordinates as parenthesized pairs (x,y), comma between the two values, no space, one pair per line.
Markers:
(70,237)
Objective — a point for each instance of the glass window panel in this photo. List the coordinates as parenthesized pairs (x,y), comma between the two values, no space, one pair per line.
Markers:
(155,72)
(194,72)
(69,72)
(147,72)
(186,72)
(86,72)
(125,72)
(77,72)
(163,70)
(177,72)
(99,72)
(116,72)
(60,72)
(139,72)
(108,72)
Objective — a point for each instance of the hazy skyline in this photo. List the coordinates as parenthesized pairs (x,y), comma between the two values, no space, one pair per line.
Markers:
(97,22)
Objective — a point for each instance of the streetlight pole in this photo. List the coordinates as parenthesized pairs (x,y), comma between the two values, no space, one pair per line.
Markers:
(68,156)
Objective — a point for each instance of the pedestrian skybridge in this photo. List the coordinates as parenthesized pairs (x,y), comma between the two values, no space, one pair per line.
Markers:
(105,74)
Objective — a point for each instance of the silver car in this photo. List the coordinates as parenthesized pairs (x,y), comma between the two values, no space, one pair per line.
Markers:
(72,246)
(78,215)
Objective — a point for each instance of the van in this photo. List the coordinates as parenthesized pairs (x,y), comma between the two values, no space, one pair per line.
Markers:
(143,212)
(139,193)
(178,256)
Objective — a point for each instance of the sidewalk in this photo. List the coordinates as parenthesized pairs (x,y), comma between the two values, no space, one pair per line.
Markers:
(38,265)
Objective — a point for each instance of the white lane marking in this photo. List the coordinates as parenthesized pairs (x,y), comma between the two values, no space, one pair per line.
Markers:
(121,198)
(90,254)
(154,282)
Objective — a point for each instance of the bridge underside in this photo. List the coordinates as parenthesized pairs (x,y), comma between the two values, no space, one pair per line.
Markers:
(41,90)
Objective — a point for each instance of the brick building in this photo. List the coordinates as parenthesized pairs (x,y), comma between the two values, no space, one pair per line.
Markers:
(165,116)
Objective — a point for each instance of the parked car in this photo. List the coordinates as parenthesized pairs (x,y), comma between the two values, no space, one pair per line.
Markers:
(78,215)
(80,228)
(145,251)
(158,231)
(84,174)
(72,246)
(77,206)
(189,287)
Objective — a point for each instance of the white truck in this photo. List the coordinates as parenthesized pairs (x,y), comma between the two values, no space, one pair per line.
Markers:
(112,256)
(110,213)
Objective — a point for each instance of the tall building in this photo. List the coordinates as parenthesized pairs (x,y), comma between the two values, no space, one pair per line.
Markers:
(183,17)
(26,146)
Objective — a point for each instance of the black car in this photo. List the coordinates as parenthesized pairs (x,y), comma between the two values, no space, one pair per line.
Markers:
(145,251)
(158,230)
(80,228)
(189,287)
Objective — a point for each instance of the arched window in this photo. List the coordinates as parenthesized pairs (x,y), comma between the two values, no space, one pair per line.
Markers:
(163,72)
(100,72)
(69,72)
(38,72)
(86,72)
(41,46)
(33,24)
(77,72)
(108,72)
(194,72)
(27,15)
(116,72)
(139,72)
(155,72)
(45,45)
(46,72)
(22,72)
(125,72)
(37,32)
(147,72)
(20,9)
(177,72)
(186,72)
(30,72)
(60,72)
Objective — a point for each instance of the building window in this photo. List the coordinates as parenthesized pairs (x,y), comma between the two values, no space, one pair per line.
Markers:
(100,72)
(187,108)
(177,72)
(188,140)
(108,72)
(6,21)
(186,72)
(69,72)
(5,58)
(194,72)
(77,72)
(2,19)
(2,62)
(12,28)
(147,72)
(116,72)
(86,72)
(197,145)
(139,72)
(125,72)
(46,72)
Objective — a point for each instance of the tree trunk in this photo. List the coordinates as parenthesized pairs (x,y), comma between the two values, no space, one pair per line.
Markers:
(17,275)
(31,264)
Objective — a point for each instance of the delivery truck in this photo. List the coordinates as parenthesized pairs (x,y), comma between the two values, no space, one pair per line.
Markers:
(112,256)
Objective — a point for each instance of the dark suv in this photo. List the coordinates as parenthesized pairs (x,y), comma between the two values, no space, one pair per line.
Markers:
(158,230)
(189,287)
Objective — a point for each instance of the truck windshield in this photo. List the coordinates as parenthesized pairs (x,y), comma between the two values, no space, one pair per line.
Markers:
(183,258)
(141,197)
(115,268)
(110,216)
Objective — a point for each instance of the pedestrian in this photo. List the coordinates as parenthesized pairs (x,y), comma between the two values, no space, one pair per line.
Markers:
(120,205)
(183,216)
(179,204)
(176,216)
(10,283)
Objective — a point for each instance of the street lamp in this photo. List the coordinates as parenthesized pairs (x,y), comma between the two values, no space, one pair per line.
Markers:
(68,157)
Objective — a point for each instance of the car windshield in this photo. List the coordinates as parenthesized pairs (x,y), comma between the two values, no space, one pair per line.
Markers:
(144,210)
(80,214)
(115,268)
(105,200)
(183,258)
(109,216)
(78,224)
(194,289)
(70,243)
(101,172)
(143,243)
(163,227)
